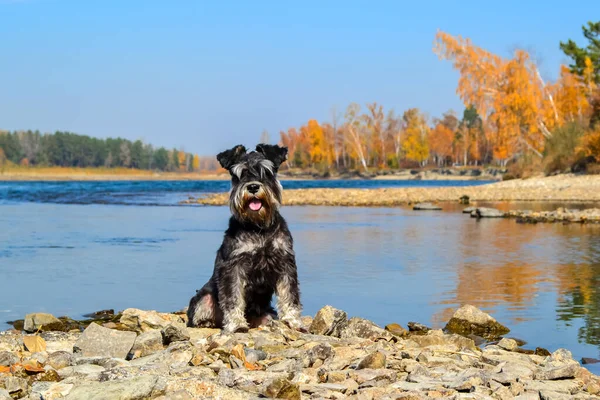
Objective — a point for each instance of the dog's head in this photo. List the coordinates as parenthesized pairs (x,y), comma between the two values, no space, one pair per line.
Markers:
(255,191)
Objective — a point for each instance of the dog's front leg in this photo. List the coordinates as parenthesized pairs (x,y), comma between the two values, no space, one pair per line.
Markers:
(232,286)
(288,300)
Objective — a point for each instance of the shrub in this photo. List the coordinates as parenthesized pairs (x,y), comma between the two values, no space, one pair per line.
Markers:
(562,148)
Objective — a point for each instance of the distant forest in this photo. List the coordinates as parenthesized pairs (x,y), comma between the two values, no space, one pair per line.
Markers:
(65,149)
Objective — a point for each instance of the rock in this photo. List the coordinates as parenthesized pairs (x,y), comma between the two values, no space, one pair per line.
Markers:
(373,361)
(281,388)
(8,358)
(329,321)
(396,329)
(141,387)
(469,210)
(584,360)
(174,333)
(143,321)
(86,371)
(485,212)
(426,206)
(146,343)
(438,338)
(540,351)
(551,374)
(464,199)
(321,352)
(42,321)
(508,344)
(178,395)
(4,395)
(362,328)
(15,386)
(99,341)
(60,359)
(469,320)
(253,356)
(415,327)
(50,391)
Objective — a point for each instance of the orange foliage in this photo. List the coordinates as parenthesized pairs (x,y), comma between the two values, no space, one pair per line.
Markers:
(440,141)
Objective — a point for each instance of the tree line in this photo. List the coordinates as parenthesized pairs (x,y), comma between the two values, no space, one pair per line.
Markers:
(511,114)
(65,149)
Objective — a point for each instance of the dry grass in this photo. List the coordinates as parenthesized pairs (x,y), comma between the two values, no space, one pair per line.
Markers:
(19,173)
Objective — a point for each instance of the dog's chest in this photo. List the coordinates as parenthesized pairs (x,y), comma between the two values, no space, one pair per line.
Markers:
(262,252)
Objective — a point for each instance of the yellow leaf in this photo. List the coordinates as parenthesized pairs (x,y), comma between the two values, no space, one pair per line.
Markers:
(4,370)
(34,344)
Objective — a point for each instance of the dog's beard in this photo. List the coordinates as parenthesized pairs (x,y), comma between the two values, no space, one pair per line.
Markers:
(257,209)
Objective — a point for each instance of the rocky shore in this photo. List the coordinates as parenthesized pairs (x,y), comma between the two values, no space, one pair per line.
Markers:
(560,188)
(149,355)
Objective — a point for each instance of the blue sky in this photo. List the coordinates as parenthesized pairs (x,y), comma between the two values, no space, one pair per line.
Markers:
(207,75)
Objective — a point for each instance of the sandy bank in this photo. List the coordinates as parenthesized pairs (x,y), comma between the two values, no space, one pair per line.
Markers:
(562,188)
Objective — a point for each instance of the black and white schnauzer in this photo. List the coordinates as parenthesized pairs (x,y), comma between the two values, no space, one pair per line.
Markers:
(256,258)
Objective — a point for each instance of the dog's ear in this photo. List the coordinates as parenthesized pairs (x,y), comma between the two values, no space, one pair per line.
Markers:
(274,153)
(229,158)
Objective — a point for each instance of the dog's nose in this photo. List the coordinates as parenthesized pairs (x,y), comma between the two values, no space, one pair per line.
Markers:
(253,188)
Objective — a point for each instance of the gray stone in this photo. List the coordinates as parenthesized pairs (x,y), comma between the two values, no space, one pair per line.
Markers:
(8,358)
(565,372)
(60,359)
(508,344)
(146,343)
(143,321)
(99,341)
(50,390)
(485,212)
(253,356)
(42,321)
(329,321)
(141,387)
(322,351)
(469,320)
(4,395)
(178,395)
(362,328)
(87,371)
(289,365)
(367,374)
(438,338)
(468,210)
(426,206)
(16,387)
(174,333)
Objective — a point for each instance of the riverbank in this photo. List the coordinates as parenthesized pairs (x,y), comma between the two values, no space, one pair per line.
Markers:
(559,188)
(16,173)
(150,355)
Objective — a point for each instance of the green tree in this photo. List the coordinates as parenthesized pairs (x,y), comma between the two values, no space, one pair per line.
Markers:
(137,155)
(591,51)
(161,159)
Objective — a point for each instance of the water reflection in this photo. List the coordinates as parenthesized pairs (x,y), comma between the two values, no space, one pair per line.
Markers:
(387,265)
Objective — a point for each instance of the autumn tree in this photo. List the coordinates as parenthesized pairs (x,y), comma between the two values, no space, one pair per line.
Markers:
(441,137)
(414,143)
(196,162)
(355,133)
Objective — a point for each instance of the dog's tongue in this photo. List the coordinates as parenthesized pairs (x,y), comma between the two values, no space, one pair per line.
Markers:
(255,204)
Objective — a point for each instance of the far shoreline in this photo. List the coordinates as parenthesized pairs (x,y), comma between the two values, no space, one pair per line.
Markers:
(59,174)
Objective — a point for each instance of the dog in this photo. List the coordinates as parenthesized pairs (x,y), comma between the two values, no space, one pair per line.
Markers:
(256,258)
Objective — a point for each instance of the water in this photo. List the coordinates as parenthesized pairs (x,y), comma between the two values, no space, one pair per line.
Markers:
(384,264)
(168,193)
